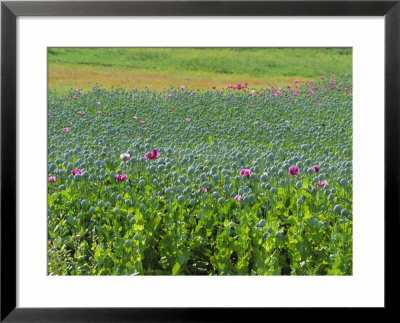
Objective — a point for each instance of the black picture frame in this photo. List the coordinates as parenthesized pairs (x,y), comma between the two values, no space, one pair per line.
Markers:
(10,10)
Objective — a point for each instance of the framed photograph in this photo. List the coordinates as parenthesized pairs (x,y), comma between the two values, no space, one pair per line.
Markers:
(197,160)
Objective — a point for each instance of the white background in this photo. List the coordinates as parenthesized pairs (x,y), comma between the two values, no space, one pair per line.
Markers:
(364,288)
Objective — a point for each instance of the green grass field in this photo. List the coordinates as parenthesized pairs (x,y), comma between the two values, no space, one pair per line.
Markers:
(197,68)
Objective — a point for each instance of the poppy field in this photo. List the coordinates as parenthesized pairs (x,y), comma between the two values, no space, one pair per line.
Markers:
(231,180)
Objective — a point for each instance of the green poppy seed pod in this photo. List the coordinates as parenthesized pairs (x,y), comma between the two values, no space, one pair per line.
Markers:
(274,190)
(128,202)
(221,200)
(261,223)
(344,212)
(116,210)
(136,237)
(343,181)
(337,208)
(299,184)
(246,199)
(61,187)
(300,201)
(321,177)
(216,195)
(264,178)
(278,235)
(132,221)
(181,199)
(84,203)
(108,204)
(128,243)
(91,210)
(100,203)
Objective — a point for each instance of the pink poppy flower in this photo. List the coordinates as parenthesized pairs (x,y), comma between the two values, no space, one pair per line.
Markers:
(66,129)
(187,119)
(80,92)
(99,112)
(214,87)
(296,81)
(152,155)
(221,92)
(323,183)
(322,77)
(74,97)
(205,189)
(134,117)
(183,88)
(169,95)
(144,129)
(120,177)
(229,86)
(76,90)
(238,198)
(137,137)
(98,103)
(294,170)
(172,108)
(316,168)
(52,179)
(76,171)
(80,113)
(245,172)
(141,122)
(125,157)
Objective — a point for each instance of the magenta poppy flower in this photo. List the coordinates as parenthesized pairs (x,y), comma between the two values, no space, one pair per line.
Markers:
(245,172)
(52,179)
(323,183)
(66,129)
(152,155)
(99,112)
(229,86)
(120,177)
(239,86)
(294,170)
(316,168)
(80,113)
(183,88)
(214,87)
(141,122)
(172,108)
(125,157)
(310,91)
(76,171)
(238,198)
